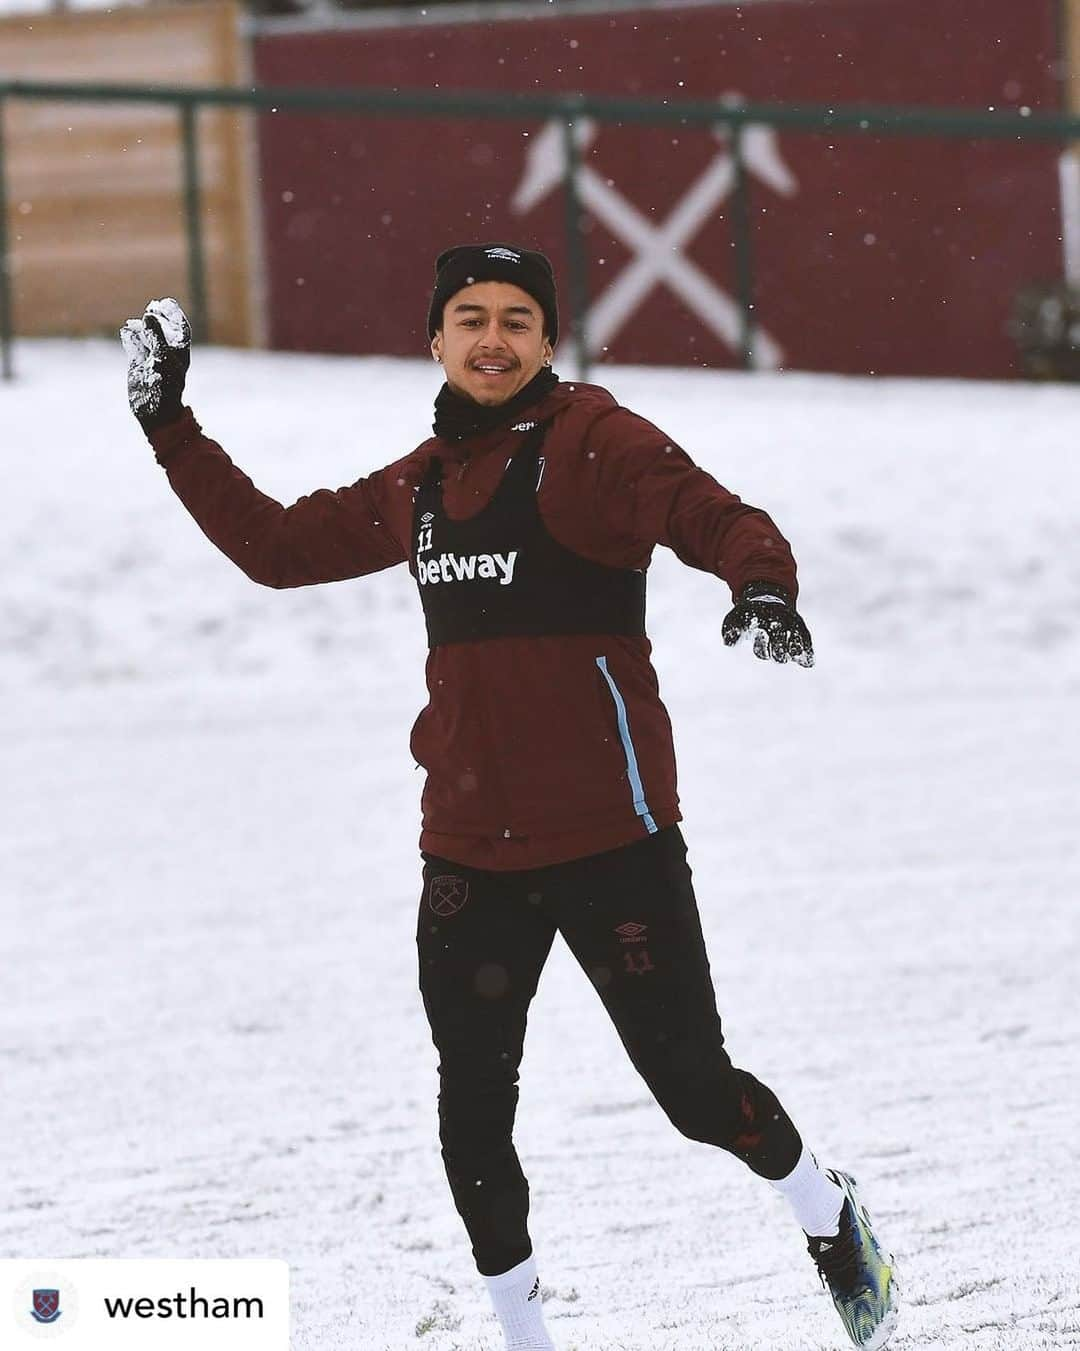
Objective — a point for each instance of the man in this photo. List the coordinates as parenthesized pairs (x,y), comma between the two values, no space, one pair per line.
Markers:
(528,521)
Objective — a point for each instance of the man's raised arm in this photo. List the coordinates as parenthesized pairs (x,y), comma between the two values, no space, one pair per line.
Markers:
(325,537)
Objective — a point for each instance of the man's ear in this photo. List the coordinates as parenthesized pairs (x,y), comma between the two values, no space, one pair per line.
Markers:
(436,345)
(548,351)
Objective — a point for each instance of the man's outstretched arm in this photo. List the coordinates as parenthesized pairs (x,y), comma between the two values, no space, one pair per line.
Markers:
(658,495)
(325,537)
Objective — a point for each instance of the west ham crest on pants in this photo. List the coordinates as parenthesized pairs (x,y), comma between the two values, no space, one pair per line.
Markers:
(46,1306)
(447,895)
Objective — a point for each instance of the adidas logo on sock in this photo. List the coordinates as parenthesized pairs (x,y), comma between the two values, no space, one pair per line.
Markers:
(535,1290)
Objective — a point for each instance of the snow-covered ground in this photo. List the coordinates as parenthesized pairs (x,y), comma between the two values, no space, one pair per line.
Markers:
(209,1031)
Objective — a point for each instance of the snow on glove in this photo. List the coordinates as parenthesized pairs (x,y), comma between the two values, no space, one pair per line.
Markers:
(158,348)
(765,611)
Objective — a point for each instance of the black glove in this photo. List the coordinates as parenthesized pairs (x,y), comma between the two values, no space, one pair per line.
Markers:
(159,351)
(766,611)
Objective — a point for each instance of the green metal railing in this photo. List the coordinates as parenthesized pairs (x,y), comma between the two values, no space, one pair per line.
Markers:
(569,109)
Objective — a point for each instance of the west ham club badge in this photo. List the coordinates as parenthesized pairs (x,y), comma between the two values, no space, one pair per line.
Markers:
(46,1307)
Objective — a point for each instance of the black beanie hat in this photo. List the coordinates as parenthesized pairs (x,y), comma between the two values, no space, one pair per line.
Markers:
(469,263)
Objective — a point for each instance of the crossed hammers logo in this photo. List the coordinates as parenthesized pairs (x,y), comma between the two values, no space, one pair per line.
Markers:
(658,249)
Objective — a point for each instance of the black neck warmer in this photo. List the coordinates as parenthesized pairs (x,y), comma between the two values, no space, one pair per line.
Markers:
(457,418)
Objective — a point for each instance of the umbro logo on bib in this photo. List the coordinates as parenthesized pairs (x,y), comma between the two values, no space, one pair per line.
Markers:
(467,568)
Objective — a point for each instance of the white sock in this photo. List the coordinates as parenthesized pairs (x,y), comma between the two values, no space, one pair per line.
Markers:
(816,1200)
(519,1308)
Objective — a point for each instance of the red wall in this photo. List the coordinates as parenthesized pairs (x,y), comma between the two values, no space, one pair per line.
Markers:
(896,255)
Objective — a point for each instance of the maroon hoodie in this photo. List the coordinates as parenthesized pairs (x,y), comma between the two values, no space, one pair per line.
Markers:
(538,749)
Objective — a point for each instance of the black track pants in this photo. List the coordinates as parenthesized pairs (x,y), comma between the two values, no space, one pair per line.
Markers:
(630,918)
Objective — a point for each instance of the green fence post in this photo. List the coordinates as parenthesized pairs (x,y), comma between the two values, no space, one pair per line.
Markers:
(196,255)
(744,253)
(5,265)
(575,246)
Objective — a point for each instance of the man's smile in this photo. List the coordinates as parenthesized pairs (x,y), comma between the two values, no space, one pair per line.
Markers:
(492,367)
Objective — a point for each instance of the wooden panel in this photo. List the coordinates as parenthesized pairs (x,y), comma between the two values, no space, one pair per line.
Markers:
(95,190)
(1070,42)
